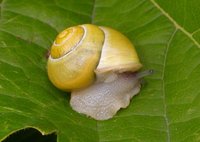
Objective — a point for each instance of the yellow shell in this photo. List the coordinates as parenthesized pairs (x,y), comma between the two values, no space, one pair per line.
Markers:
(82,52)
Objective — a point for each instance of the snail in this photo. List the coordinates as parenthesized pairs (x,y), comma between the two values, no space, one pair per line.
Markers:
(99,66)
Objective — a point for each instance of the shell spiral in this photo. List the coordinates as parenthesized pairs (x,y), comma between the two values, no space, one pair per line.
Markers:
(81,53)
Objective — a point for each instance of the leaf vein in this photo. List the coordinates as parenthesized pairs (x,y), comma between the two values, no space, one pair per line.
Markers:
(175,23)
(163,86)
(93,11)
(70,10)
(21,38)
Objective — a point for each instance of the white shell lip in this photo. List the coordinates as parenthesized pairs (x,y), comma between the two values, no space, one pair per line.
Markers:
(118,65)
(119,68)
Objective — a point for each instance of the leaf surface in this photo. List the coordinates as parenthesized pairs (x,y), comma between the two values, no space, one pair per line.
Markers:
(167,38)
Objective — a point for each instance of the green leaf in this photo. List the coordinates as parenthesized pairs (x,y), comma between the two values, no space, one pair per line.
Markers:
(167,37)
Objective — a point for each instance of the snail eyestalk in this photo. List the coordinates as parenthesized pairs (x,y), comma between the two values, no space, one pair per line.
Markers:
(144,73)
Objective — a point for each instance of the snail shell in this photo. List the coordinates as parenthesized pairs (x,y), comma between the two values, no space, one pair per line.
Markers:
(98,65)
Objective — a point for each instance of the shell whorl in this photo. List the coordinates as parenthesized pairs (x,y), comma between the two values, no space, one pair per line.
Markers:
(66,41)
(71,64)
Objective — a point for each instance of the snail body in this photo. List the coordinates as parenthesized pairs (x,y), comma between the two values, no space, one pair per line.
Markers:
(98,65)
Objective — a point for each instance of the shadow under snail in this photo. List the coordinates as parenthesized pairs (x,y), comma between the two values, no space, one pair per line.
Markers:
(98,65)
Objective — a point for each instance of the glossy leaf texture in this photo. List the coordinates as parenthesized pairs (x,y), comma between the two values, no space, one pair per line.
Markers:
(167,37)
